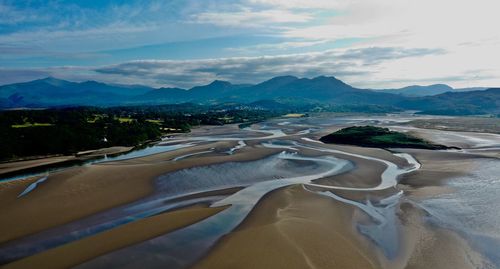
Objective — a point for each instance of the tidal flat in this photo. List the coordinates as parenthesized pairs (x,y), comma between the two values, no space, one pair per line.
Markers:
(270,195)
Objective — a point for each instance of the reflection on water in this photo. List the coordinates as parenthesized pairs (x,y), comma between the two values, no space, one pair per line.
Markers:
(458,210)
(190,243)
(274,169)
(232,174)
(468,211)
(184,246)
(180,248)
(472,209)
(155,149)
(142,152)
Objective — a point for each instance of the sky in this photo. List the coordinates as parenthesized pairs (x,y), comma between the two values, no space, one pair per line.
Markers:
(366,43)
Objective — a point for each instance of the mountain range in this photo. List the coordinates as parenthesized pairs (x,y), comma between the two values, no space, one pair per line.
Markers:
(285,90)
(435,89)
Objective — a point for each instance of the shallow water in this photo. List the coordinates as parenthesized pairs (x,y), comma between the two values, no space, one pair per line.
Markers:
(182,247)
(32,186)
(383,231)
(472,209)
(185,156)
(142,152)
(273,169)
(241,144)
(155,149)
(468,211)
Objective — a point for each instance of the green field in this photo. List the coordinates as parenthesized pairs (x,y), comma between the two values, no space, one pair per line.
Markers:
(155,121)
(29,124)
(124,119)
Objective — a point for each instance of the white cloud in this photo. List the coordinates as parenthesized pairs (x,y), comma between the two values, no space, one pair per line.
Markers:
(422,23)
(400,41)
(277,46)
(246,17)
(465,29)
(350,64)
(373,67)
(300,4)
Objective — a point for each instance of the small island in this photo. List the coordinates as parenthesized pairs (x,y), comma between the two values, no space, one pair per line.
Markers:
(371,136)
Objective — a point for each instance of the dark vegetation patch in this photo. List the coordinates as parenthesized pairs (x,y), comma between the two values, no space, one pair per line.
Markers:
(370,136)
(70,130)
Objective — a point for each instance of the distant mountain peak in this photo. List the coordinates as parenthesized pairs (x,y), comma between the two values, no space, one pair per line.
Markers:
(276,92)
(281,78)
(168,89)
(93,83)
(52,81)
(324,77)
(49,79)
(214,87)
(433,86)
(219,83)
(328,79)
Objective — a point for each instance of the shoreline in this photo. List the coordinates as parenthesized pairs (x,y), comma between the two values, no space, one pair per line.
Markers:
(95,188)
(26,165)
(12,169)
(297,226)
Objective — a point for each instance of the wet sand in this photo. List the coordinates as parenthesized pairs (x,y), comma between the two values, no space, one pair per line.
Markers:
(10,167)
(291,228)
(82,250)
(437,168)
(426,246)
(295,228)
(95,188)
(465,140)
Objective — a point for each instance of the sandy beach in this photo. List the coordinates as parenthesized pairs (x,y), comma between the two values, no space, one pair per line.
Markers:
(94,188)
(79,251)
(290,228)
(328,222)
(249,134)
(309,231)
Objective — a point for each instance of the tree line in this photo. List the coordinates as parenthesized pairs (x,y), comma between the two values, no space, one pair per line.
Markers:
(70,130)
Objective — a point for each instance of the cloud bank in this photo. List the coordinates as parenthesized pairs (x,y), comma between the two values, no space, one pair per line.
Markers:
(351,65)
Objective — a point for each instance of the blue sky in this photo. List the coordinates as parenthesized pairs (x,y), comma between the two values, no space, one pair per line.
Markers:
(379,43)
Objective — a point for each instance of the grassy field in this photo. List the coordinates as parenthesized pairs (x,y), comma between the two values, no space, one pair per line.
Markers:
(123,119)
(155,121)
(29,124)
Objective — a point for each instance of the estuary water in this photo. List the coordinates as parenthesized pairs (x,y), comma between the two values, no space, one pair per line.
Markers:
(470,210)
